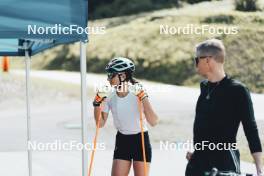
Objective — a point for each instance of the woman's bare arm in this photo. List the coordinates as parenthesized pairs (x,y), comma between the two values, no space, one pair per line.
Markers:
(150,115)
(97,114)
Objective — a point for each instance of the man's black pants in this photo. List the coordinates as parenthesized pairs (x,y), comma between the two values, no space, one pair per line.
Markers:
(204,161)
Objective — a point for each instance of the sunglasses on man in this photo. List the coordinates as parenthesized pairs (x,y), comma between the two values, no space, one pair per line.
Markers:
(196,59)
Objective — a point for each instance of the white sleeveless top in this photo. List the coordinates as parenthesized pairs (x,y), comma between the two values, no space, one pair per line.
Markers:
(125,113)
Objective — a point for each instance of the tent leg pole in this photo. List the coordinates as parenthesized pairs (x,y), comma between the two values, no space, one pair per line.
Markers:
(29,152)
(84,108)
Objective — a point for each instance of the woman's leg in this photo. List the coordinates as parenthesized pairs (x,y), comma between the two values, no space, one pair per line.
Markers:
(138,159)
(139,168)
(120,167)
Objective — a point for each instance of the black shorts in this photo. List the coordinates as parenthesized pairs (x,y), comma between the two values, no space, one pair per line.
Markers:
(129,147)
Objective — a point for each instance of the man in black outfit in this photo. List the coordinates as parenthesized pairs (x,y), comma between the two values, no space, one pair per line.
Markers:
(222,105)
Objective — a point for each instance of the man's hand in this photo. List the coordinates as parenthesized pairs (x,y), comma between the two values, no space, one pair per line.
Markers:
(260,172)
(189,156)
(138,90)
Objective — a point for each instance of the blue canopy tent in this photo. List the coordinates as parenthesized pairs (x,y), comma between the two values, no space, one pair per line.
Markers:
(30,26)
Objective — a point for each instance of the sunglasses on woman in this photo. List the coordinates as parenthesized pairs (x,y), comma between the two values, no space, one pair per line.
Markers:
(111,75)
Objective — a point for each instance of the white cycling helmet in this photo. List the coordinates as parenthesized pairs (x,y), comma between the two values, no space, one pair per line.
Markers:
(120,64)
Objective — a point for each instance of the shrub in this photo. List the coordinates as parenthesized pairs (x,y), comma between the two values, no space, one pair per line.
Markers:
(112,8)
(132,6)
(195,1)
(226,19)
(246,5)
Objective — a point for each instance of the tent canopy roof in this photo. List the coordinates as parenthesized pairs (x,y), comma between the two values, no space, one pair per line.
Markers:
(36,25)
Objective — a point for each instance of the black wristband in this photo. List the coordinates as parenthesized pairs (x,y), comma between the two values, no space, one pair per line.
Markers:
(146,96)
(96,104)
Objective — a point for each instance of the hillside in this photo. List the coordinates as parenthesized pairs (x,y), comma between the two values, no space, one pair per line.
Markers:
(168,58)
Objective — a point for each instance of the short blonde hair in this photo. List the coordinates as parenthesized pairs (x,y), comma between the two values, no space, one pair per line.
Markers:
(212,47)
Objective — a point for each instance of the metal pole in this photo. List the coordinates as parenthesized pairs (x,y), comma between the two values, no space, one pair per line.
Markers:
(27,64)
(84,108)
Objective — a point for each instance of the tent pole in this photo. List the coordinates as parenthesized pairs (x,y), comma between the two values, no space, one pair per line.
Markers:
(84,108)
(27,64)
